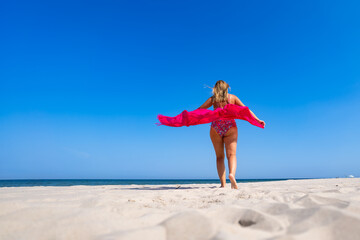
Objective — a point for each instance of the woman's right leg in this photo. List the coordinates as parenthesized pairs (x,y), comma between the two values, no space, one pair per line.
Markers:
(218,144)
(230,140)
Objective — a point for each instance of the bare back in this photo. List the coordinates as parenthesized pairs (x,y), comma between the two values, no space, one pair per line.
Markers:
(222,104)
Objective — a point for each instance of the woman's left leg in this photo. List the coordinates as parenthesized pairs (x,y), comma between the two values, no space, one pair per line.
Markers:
(220,156)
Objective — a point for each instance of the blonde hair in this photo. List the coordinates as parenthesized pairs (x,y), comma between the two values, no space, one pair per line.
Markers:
(220,91)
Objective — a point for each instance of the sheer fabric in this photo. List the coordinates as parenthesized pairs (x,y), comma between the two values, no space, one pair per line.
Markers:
(202,116)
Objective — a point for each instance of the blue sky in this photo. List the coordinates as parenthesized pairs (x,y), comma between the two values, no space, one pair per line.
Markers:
(83,81)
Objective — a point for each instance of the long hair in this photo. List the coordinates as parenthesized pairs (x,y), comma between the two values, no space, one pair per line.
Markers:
(220,91)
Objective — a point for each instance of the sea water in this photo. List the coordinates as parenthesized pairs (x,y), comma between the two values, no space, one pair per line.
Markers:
(93,182)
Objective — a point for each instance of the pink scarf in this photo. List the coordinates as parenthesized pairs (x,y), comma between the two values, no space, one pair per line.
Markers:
(201,116)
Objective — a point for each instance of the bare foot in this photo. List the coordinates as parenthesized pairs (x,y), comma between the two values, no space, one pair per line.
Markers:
(222,186)
(233,181)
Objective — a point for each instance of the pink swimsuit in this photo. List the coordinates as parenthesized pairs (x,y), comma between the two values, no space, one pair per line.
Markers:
(221,126)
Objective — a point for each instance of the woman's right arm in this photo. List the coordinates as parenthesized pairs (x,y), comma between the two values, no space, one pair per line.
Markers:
(206,104)
(238,102)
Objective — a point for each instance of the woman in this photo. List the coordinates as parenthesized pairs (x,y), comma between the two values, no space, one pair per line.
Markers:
(224,132)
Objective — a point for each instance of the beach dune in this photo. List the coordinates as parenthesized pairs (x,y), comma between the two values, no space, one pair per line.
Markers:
(292,209)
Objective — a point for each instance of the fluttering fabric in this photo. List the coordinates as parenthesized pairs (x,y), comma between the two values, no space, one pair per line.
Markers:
(201,116)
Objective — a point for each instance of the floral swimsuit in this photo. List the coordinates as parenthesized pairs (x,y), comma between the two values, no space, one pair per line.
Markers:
(221,126)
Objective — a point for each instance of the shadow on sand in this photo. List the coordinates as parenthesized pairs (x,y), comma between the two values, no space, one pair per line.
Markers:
(178,187)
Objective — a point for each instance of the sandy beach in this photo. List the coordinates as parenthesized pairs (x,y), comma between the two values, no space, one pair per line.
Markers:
(292,209)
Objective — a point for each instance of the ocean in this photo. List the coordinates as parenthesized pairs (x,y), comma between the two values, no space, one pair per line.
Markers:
(94,182)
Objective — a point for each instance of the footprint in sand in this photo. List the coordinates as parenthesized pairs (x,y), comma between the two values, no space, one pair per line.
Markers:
(248,218)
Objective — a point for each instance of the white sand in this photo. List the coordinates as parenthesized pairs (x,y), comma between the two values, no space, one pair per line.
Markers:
(294,209)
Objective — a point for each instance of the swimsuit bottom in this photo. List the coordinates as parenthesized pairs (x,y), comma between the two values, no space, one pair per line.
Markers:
(222,126)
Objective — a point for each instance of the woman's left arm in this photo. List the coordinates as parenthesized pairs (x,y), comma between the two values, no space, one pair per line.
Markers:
(206,104)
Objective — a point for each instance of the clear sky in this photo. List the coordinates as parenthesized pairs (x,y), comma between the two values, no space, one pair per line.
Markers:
(81,84)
